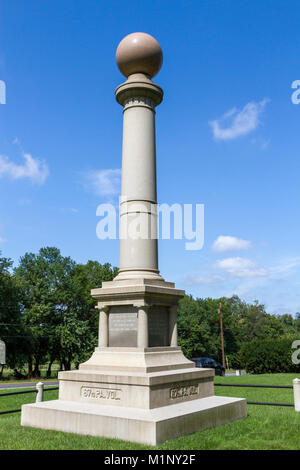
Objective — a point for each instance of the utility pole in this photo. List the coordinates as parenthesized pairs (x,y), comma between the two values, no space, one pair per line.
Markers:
(222,338)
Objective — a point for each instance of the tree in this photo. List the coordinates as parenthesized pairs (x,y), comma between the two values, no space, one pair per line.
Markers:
(45,282)
(11,327)
(85,278)
(58,308)
(297,322)
(199,326)
(196,329)
(271,355)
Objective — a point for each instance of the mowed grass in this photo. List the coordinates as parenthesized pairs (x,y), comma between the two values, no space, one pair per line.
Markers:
(27,381)
(8,376)
(266,427)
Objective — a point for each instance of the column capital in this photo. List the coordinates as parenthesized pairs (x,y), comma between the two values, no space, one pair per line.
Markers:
(136,87)
(142,304)
(173,308)
(102,307)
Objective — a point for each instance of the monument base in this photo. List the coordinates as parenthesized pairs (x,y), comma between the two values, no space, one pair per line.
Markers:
(144,407)
(150,427)
(138,385)
(136,389)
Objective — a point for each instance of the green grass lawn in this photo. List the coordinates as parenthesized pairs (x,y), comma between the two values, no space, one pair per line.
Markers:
(266,427)
(29,381)
(8,376)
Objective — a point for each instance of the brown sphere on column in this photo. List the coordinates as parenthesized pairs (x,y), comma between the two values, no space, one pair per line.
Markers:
(139,53)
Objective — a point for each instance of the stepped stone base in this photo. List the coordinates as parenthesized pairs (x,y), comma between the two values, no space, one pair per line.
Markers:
(136,389)
(150,427)
(144,360)
(138,385)
(144,407)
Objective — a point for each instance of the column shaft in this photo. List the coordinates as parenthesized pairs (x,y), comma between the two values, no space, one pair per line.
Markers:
(103,328)
(138,222)
(173,336)
(138,209)
(142,338)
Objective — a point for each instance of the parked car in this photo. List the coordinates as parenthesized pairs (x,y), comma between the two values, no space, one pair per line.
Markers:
(207,362)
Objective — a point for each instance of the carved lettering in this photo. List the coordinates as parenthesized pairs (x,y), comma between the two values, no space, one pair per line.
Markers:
(123,321)
(100,393)
(182,392)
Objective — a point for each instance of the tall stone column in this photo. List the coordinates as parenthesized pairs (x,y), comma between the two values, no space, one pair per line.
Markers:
(139,97)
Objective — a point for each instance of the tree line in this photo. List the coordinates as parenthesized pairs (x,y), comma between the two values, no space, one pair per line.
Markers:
(243,323)
(47,315)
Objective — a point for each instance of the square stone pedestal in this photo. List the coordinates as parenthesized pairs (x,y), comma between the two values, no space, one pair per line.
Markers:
(144,407)
(137,386)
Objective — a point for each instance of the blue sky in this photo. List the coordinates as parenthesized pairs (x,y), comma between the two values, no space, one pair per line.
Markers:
(227,135)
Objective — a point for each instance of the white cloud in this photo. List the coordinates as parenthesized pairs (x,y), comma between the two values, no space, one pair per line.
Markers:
(228,243)
(193,279)
(261,142)
(71,210)
(34,169)
(104,182)
(286,266)
(240,267)
(2,240)
(242,122)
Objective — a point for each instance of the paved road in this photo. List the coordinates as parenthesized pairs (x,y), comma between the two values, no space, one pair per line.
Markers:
(233,373)
(7,386)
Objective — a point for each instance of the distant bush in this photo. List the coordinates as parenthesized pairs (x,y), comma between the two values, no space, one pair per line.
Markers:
(234,361)
(268,356)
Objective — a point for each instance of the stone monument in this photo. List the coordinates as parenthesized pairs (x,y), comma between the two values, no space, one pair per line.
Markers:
(138,385)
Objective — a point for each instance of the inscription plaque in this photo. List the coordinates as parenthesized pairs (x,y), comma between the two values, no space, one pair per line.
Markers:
(158,324)
(123,324)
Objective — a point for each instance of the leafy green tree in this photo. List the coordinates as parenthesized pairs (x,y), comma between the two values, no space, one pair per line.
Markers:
(297,322)
(197,329)
(81,319)
(271,355)
(199,326)
(11,327)
(59,311)
(290,325)
(45,283)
